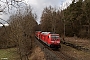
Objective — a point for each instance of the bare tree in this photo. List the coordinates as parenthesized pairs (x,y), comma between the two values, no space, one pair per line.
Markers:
(21,26)
(51,20)
(22,29)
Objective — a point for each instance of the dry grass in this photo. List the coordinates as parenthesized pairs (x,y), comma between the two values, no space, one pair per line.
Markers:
(78,41)
(79,55)
(37,54)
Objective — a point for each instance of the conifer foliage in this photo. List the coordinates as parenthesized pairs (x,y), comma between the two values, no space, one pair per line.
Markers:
(74,20)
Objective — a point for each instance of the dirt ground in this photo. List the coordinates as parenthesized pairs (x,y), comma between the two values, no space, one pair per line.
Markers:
(78,55)
(37,54)
(78,41)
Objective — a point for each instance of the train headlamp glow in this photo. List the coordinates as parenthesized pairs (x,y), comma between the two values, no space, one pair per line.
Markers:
(49,36)
(55,42)
(52,41)
(58,42)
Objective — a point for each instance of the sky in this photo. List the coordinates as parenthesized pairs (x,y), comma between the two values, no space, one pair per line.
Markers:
(38,6)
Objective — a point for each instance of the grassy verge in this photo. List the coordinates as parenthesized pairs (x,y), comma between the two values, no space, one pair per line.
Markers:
(9,54)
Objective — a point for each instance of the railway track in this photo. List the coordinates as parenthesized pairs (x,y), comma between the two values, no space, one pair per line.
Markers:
(57,52)
(61,54)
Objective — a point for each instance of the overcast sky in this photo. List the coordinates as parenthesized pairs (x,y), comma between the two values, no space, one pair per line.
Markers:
(39,5)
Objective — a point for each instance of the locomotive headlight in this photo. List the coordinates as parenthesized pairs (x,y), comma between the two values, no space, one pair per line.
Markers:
(52,41)
(58,41)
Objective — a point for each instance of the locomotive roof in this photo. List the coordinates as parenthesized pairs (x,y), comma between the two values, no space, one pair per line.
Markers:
(45,33)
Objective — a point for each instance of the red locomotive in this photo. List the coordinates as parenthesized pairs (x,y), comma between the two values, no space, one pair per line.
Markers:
(50,39)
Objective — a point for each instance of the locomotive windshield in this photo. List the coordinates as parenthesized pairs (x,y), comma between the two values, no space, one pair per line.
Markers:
(54,37)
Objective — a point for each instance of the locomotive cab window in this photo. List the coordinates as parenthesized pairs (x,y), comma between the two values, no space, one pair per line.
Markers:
(54,37)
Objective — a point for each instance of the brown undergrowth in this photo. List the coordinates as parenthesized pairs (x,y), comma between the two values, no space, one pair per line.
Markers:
(37,54)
